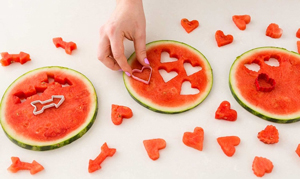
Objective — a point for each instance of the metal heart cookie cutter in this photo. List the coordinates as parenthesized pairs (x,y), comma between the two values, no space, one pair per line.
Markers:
(139,71)
(35,112)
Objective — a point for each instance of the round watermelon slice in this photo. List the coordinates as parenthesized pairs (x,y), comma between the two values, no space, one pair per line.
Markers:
(271,92)
(166,97)
(41,90)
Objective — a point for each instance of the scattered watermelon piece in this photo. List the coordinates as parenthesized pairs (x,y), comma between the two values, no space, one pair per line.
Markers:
(7,58)
(119,112)
(228,144)
(298,33)
(153,146)
(269,135)
(298,46)
(17,165)
(94,165)
(261,165)
(68,46)
(55,127)
(166,97)
(189,26)
(264,83)
(298,150)
(194,139)
(241,21)
(224,112)
(281,105)
(223,39)
(274,31)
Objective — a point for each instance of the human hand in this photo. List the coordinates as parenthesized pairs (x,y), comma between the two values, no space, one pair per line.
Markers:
(127,21)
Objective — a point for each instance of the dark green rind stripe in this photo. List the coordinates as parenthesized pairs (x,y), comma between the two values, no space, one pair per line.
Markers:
(54,145)
(263,116)
(162,111)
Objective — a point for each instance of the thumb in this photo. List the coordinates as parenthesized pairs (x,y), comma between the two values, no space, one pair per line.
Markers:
(140,50)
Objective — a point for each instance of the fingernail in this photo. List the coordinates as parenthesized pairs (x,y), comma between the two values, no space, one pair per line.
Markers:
(120,70)
(146,61)
(127,73)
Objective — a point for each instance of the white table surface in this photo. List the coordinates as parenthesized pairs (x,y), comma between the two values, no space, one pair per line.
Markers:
(29,26)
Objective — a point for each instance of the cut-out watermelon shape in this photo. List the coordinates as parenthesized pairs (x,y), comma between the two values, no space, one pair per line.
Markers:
(272,92)
(166,97)
(55,126)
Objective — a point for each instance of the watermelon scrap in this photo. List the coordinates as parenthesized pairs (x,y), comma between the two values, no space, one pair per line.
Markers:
(7,58)
(119,112)
(153,146)
(262,77)
(269,135)
(194,139)
(261,165)
(223,39)
(274,31)
(189,26)
(228,144)
(94,165)
(224,112)
(241,21)
(298,150)
(17,165)
(298,33)
(298,46)
(68,46)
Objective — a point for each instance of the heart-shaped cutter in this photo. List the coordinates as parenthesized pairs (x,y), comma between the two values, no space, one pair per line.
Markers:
(268,80)
(141,70)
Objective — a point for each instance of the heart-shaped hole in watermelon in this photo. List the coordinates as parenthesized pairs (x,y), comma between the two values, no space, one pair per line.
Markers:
(190,69)
(165,57)
(254,66)
(167,76)
(272,62)
(187,89)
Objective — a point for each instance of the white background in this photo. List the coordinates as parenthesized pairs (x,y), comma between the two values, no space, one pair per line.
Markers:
(30,25)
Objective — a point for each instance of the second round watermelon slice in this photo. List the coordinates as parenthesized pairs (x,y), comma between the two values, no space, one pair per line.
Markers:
(166,97)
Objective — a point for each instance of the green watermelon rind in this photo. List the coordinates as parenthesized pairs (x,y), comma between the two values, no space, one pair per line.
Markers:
(74,135)
(252,109)
(161,109)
